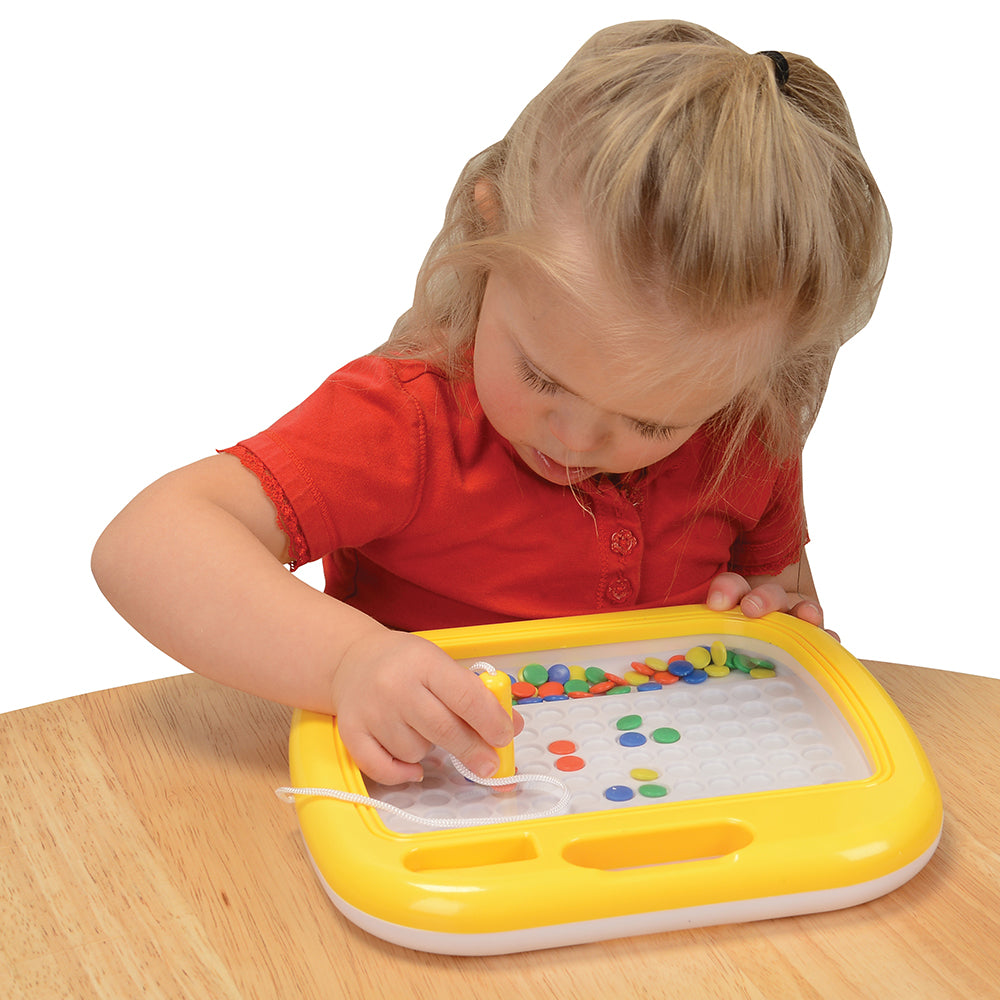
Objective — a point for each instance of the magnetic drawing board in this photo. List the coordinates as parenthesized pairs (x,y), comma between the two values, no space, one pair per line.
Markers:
(736,797)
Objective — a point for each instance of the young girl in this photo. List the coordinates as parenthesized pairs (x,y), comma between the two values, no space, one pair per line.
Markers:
(598,401)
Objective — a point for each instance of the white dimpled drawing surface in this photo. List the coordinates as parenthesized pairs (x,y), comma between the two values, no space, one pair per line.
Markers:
(728,735)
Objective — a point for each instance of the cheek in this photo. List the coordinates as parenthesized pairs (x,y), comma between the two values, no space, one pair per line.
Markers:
(500,397)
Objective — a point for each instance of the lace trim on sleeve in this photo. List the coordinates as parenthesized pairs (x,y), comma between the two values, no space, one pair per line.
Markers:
(298,549)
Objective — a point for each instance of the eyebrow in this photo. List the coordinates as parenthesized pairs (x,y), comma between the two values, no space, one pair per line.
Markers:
(640,421)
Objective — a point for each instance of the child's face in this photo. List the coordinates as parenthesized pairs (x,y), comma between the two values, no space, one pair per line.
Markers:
(558,388)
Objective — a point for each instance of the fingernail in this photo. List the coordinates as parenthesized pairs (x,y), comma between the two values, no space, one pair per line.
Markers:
(485,768)
(752,606)
(716,601)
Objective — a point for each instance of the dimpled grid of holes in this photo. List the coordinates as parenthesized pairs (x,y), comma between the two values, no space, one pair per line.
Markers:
(738,736)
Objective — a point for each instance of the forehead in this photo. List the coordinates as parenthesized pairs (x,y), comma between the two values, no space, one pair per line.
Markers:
(649,359)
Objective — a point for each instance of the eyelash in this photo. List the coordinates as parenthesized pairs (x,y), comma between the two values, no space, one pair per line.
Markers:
(654,432)
(528,375)
(531,377)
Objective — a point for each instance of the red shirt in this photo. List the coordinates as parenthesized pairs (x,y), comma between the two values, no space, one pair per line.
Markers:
(426,518)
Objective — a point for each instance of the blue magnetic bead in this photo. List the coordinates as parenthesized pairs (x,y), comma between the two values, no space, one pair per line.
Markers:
(632,739)
(618,793)
(555,697)
(680,668)
(695,677)
(529,701)
(559,673)
(651,686)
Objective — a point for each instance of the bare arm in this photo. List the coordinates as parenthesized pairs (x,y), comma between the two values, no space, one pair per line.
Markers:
(194,563)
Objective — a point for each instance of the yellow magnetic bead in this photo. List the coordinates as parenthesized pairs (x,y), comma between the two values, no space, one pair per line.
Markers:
(719,652)
(699,657)
(716,670)
(634,678)
(644,774)
(577,673)
(761,672)
(655,662)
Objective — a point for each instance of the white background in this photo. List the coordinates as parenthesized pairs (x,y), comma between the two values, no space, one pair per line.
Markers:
(208,206)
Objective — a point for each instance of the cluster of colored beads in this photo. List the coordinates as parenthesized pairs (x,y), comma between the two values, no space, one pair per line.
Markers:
(558,682)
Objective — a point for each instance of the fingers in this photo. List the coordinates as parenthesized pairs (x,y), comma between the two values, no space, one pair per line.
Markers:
(401,696)
(518,721)
(730,590)
(726,591)
(390,749)
(466,696)
(473,723)
(809,611)
(379,763)
(764,599)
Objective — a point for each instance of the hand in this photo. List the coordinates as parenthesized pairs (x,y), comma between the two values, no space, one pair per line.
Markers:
(759,596)
(397,695)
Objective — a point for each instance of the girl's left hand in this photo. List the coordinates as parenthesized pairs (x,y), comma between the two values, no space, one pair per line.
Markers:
(759,596)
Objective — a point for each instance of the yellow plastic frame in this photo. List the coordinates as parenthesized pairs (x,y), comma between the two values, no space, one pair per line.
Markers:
(707,859)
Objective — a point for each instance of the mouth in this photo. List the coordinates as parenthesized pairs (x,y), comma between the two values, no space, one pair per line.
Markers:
(561,475)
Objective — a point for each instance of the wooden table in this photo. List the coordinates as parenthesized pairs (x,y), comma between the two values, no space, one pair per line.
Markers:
(145,855)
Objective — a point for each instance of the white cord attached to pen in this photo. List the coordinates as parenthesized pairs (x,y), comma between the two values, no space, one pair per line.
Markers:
(289,794)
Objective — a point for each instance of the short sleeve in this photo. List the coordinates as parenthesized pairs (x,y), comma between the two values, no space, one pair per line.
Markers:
(347,465)
(776,540)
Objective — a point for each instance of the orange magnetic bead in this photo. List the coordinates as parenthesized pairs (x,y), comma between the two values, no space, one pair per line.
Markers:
(665,677)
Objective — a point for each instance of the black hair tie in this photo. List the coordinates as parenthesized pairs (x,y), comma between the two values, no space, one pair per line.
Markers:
(780,66)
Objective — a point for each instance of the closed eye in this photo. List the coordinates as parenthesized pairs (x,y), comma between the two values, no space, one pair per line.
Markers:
(535,379)
(531,376)
(656,432)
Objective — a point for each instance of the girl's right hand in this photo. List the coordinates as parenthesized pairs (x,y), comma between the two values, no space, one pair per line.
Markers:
(241,618)
(397,695)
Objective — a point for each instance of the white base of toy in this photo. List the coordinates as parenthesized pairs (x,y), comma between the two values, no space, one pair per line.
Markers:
(630,925)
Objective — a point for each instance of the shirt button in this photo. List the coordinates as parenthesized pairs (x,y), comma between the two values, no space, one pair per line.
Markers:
(623,542)
(619,590)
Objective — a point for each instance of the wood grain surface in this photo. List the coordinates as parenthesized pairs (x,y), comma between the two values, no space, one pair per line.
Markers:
(145,855)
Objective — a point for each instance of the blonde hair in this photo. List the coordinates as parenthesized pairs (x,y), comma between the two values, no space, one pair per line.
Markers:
(701,178)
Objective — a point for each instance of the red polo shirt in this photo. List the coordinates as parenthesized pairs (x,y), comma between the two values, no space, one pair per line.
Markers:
(426,518)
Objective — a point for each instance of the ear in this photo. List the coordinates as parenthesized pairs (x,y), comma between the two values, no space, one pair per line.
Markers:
(485,197)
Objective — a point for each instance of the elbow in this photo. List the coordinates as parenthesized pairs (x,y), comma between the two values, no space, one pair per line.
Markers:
(102,560)
(114,559)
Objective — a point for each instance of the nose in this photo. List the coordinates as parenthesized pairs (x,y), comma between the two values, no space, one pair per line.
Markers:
(579,428)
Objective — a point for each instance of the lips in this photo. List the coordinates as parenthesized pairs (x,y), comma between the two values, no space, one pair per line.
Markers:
(562,475)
